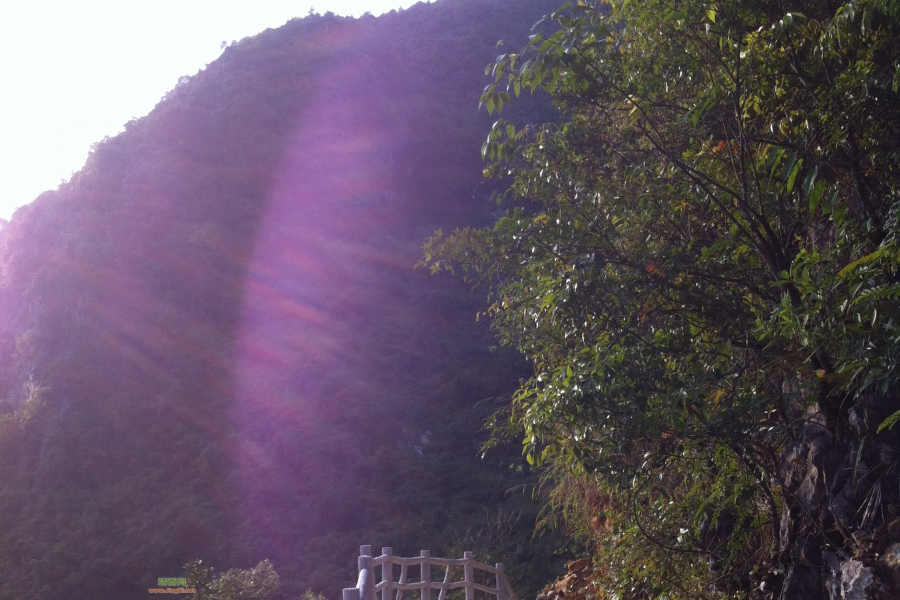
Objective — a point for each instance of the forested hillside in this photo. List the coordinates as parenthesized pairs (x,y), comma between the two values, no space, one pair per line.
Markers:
(213,343)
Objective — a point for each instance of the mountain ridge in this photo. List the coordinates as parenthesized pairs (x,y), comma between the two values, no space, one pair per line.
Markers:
(182,362)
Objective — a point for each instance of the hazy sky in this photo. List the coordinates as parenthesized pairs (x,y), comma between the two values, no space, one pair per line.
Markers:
(75,71)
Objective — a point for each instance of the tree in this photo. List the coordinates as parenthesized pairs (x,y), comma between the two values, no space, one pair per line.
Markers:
(701,260)
(258,583)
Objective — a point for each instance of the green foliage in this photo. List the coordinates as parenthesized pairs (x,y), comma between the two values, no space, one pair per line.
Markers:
(701,263)
(258,583)
(311,595)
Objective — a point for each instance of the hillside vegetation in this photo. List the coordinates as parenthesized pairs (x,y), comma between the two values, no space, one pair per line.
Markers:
(213,343)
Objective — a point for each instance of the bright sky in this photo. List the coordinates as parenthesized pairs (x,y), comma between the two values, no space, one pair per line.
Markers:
(75,71)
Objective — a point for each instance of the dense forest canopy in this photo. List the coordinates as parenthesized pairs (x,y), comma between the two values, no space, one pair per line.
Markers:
(701,260)
(213,343)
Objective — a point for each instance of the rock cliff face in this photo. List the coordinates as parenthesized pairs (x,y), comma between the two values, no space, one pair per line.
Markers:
(839,538)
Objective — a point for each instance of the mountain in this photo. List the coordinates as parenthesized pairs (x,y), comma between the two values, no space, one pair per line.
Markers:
(213,342)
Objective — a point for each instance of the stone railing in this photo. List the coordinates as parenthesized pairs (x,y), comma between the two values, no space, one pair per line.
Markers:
(368,589)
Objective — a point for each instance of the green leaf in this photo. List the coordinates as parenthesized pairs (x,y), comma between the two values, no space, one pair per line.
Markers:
(830,201)
(809,180)
(816,195)
(889,422)
(773,160)
(793,176)
(788,166)
(872,256)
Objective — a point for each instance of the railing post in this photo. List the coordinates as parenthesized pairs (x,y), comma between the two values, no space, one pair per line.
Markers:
(469,571)
(501,588)
(426,574)
(366,582)
(402,581)
(387,573)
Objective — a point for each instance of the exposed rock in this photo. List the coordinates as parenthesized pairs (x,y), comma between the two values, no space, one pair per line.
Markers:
(890,561)
(891,558)
(856,578)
